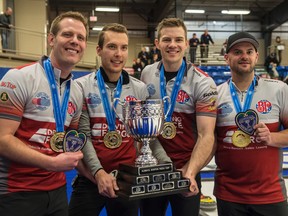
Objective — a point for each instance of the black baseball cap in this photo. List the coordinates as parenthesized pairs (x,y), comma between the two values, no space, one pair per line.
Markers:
(241,37)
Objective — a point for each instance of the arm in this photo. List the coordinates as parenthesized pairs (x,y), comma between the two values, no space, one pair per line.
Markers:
(106,182)
(15,150)
(202,152)
(159,152)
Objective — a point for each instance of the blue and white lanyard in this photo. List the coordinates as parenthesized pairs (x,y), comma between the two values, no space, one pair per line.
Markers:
(248,99)
(59,110)
(109,112)
(174,92)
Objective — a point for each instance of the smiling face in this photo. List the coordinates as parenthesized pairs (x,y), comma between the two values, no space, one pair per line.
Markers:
(114,53)
(68,44)
(242,59)
(172,44)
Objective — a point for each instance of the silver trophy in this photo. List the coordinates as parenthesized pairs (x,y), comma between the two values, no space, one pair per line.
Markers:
(144,120)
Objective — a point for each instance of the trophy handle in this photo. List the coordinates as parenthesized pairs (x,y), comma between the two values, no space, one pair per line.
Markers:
(167,98)
(117,100)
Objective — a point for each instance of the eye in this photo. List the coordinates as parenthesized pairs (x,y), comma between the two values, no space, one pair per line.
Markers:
(124,48)
(237,52)
(250,52)
(81,38)
(67,34)
(112,46)
(166,39)
(179,40)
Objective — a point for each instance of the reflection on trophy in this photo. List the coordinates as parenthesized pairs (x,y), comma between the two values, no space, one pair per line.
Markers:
(144,121)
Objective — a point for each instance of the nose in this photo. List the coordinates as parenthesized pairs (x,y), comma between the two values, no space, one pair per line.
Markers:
(172,43)
(74,40)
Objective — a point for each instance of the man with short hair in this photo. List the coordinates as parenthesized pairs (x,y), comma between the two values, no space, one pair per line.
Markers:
(39,104)
(5,26)
(188,134)
(251,111)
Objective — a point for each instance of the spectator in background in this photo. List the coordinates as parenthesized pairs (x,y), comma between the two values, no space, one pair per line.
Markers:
(279,47)
(155,54)
(223,49)
(144,56)
(193,43)
(137,67)
(271,64)
(5,26)
(205,41)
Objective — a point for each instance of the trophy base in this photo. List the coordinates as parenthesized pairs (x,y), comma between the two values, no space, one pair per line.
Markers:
(139,182)
(130,197)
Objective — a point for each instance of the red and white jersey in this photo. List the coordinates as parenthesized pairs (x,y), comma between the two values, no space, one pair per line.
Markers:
(253,174)
(26,97)
(132,89)
(197,96)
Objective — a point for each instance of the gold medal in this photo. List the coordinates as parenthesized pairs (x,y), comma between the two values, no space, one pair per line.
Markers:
(56,141)
(112,139)
(240,139)
(169,130)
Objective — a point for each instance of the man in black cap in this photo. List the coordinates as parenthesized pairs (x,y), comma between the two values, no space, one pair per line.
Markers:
(249,157)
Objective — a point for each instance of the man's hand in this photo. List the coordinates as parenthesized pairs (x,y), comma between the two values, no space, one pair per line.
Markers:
(107,184)
(65,161)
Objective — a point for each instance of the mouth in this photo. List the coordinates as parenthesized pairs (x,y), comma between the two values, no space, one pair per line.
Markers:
(173,51)
(72,51)
(117,62)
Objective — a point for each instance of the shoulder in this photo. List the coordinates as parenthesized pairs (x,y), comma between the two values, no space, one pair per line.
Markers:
(136,82)
(85,81)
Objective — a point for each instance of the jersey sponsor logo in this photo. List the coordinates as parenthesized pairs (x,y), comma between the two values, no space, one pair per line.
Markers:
(100,130)
(224,110)
(229,134)
(130,98)
(182,97)
(264,106)
(4,97)
(41,101)
(71,108)
(93,100)
(151,89)
(212,104)
(210,94)
(8,85)
(42,135)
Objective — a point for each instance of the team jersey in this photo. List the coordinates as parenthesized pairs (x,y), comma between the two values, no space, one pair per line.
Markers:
(25,97)
(252,174)
(132,89)
(196,97)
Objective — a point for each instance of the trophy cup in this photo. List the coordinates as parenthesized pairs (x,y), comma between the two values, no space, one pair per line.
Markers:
(144,121)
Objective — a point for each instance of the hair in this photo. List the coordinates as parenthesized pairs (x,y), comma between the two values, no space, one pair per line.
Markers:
(115,27)
(170,22)
(55,27)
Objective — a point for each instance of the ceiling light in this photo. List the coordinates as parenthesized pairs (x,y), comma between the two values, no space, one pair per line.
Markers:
(194,11)
(97,28)
(107,9)
(239,12)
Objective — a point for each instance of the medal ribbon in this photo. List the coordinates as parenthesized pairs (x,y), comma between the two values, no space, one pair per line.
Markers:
(109,112)
(174,92)
(59,110)
(248,99)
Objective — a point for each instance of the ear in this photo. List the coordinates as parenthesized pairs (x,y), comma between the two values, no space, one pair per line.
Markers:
(51,39)
(156,42)
(226,57)
(98,50)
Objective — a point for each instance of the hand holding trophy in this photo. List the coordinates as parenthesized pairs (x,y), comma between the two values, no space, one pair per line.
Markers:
(144,121)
